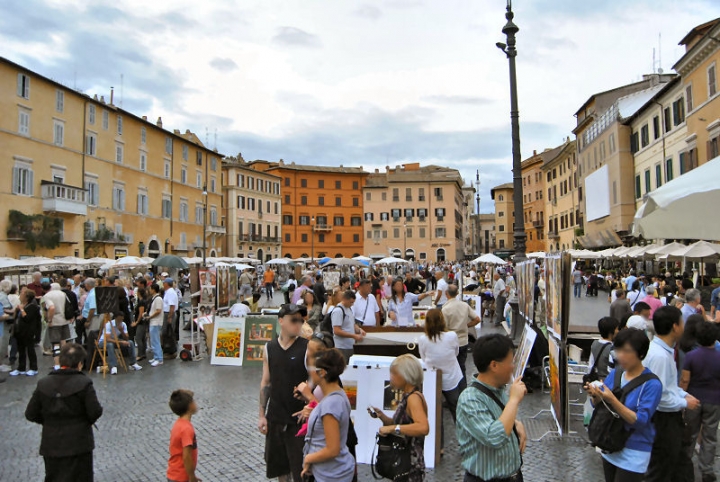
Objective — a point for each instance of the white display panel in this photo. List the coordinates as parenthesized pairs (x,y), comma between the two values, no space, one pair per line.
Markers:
(597,194)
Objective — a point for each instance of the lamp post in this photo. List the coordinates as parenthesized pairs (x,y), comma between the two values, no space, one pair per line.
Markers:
(510,29)
(312,239)
(204,248)
(404,256)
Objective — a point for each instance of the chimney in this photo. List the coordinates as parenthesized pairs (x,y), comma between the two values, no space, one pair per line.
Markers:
(112,95)
(176,131)
(102,99)
(95,97)
(377,171)
(534,152)
(187,131)
(159,122)
(144,117)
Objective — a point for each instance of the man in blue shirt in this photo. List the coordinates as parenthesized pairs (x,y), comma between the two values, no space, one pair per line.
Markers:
(490,437)
(714,302)
(669,461)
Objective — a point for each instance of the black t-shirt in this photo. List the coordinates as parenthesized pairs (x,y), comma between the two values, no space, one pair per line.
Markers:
(287,370)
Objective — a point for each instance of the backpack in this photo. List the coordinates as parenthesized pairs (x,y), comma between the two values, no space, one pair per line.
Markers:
(593,374)
(607,429)
(326,323)
(69,312)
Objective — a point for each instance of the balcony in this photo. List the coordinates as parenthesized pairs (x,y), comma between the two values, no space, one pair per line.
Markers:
(553,235)
(538,223)
(322,228)
(218,230)
(104,235)
(61,198)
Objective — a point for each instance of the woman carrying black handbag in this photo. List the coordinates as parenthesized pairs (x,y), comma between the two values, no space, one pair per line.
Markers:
(27,332)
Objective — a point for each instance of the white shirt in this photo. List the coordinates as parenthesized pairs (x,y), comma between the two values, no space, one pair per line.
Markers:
(238,310)
(499,288)
(441,354)
(442,287)
(170,298)
(660,360)
(109,331)
(56,298)
(364,309)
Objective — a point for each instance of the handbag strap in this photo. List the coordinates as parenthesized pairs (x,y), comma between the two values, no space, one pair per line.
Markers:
(599,356)
(495,399)
(632,384)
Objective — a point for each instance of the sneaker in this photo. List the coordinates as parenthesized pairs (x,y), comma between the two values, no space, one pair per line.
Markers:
(156,363)
(57,367)
(113,371)
(135,367)
(98,370)
(31,373)
(15,373)
(5,368)
(47,353)
(150,361)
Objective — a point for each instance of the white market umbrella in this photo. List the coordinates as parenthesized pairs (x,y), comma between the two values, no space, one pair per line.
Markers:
(391,260)
(536,254)
(684,208)
(489,258)
(699,251)
(279,261)
(243,267)
(342,262)
(672,249)
(363,258)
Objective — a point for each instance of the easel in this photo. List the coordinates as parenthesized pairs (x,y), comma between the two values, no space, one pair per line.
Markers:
(102,352)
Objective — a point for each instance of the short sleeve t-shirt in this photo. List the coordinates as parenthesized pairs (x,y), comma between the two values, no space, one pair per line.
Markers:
(343,317)
(442,287)
(342,467)
(181,436)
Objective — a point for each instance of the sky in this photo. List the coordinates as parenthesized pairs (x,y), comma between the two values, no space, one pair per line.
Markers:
(353,83)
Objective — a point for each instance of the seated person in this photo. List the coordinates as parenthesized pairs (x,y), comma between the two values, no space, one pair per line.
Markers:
(255,303)
(239,310)
(117,336)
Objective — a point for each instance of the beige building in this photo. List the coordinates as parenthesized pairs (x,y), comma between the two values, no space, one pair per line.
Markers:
(562,196)
(415,212)
(252,210)
(533,203)
(605,160)
(107,182)
(482,228)
(504,218)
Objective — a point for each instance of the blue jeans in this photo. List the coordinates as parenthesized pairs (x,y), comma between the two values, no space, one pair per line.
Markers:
(155,344)
(577,289)
(112,356)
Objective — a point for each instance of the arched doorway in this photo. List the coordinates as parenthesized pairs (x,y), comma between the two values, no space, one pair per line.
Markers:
(396,253)
(338,255)
(410,254)
(288,255)
(153,248)
(198,253)
(260,254)
(440,255)
(356,255)
(213,253)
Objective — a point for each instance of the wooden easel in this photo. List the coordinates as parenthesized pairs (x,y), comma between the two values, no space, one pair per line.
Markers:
(102,351)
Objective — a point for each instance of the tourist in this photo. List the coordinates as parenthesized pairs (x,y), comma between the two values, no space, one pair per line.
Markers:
(118,339)
(289,287)
(36,284)
(640,319)
(635,294)
(58,329)
(701,378)
(692,304)
(439,349)
(490,437)
(411,416)
(333,300)
(413,284)
(155,324)
(365,309)
(441,289)
(305,284)
(459,317)
(345,331)
(620,306)
(601,350)
(577,277)
(283,370)
(170,307)
(140,322)
(269,282)
(400,306)
(27,334)
(668,462)
(637,410)
(500,291)
(67,440)
(246,282)
(319,289)
(183,442)
(314,310)
(326,455)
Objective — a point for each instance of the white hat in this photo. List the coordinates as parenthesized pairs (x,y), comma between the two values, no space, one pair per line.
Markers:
(164,273)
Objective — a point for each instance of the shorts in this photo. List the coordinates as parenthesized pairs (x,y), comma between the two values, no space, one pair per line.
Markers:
(245,290)
(283,450)
(56,334)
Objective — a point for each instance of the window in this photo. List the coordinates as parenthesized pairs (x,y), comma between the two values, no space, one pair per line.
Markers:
(92,192)
(184,212)
(241,202)
(678,111)
(321,221)
(338,184)
(439,232)
(321,238)
(91,115)
(321,200)
(421,194)
(168,145)
(408,194)
(166,208)
(198,158)
(304,238)
(166,170)
(142,203)
(408,232)
(396,194)
(277,208)
(409,213)
(199,216)
(338,238)
(648,187)
(58,132)
(369,216)
(106,120)
(638,187)
(356,202)
(287,181)
(287,219)
(656,127)
(502,243)
(59,100)
(212,184)
(421,233)
(634,143)
(396,233)
(213,164)
(304,220)
(356,185)
(658,175)
(185,153)
(23,86)
(339,221)
(303,182)
(438,193)
(384,216)
(356,238)
(213,217)
(143,161)
(321,184)
(383,196)
(143,136)
(260,185)
(198,179)
(668,170)
(667,120)
(422,213)
(118,201)
(440,213)
(287,199)
(501,197)
(287,238)
(689,98)
(303,200)
(712,81)
(384,234)
(368,196)
(338,201)
(501,228)
(183,175)
(119,125)
(119,153)
(22,179)
(23,122)
(355,221)
(395,214)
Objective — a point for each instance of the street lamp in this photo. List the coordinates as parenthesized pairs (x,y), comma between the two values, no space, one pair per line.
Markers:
(312,239)
(405,242)
(204,248)
(510,29)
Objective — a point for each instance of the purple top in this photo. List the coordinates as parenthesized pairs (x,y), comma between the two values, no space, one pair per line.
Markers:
(703,363)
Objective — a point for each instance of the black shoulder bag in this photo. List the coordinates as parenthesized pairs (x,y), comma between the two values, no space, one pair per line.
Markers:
(593,375)
(607,429)
(394,460)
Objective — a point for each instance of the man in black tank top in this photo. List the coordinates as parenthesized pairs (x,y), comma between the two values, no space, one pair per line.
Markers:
(283,370)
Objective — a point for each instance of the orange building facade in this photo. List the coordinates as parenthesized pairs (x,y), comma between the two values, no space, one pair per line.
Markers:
(322,209)
(533,203)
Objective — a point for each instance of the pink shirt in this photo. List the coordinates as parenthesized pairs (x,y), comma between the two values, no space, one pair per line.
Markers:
(654,304)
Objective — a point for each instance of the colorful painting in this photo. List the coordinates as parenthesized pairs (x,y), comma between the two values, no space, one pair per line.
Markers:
(331,279)
(223,287)
(522,353)
(228,342)
(558,391)
(233,286)
(258,331)
(553,289)
(208,283)
(351,389)
(392,397)
(419,315)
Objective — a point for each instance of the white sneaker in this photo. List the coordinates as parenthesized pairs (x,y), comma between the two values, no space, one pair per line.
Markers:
(156,363)
(5,368)
(113,371)
(31,373)
(15,373)
(136,367)
(57,367)
(151,361)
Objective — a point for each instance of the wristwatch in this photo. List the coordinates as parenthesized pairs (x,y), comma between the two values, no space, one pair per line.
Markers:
(397,429)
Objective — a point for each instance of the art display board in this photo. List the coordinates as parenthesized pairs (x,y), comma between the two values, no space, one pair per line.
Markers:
(259,330)
(233,286)
(331,279)
(525,280)
(419,315)
(223,288)
(559,403)
(553,296)
(522,353)
(208,286)
(369,386)
(228,341)
(106,300)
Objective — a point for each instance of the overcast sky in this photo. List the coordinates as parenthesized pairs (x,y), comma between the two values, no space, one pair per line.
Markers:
(356,83)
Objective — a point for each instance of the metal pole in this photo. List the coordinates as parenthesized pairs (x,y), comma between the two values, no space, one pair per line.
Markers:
(312,241)
(204,250)
(510,29)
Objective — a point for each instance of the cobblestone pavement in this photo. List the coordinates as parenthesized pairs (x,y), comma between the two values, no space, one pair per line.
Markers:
(132,440)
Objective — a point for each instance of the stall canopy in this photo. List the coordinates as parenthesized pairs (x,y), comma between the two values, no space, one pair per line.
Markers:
(343,262)
(536,254)
(391,260)
(489,258)
(695,252)
(279,261)
(684,208)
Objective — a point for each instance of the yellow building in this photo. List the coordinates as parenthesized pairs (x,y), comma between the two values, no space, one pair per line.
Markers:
(533,203)
(119,185)
(699,70)
(561,196)
(504,218)
(415,212)
(252,210)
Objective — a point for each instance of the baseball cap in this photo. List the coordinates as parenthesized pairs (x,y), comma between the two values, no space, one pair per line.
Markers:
(291,309)
(168,280)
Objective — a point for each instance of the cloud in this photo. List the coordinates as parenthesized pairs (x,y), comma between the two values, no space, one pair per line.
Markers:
(368,11)
(295,37)
(457,100)
(223,65)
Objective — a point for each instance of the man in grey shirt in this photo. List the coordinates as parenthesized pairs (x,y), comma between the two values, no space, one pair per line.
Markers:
(345,331)
(621,306)
(500,293)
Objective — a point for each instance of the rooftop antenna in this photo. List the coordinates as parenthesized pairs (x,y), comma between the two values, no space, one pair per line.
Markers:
(654,64)
(206,136)
(660,70)
(122,83)
(215,146)
(477,190)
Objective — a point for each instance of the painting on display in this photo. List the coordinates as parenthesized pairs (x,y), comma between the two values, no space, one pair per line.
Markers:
(525,288)
(419,315)
(208,282)
(259,330)
(233,286)
(228,342)
(331,279)
(522,353)
(558,389)
(223,287)
(553,290)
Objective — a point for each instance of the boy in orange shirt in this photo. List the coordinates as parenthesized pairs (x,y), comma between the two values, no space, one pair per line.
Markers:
(183,444)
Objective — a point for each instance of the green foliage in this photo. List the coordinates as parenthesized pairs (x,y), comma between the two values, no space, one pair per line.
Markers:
(38,230)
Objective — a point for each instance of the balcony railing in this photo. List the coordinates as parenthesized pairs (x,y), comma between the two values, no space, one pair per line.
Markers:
(104,235)
(211,229)
(61,198)
(553,235)
(538,223)
(322,228)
